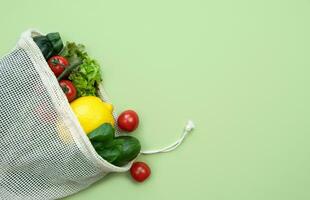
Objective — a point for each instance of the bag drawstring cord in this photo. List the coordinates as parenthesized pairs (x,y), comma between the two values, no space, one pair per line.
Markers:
(187,129)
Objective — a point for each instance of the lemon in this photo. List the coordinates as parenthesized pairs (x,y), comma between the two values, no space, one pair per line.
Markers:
(91,112)
(63,132)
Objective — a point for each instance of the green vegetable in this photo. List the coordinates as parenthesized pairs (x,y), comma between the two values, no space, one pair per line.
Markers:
(87,76)
(110,154)
(126,148)
(103,133)
(56,41)
(116,150)
(50,45)
(71,67)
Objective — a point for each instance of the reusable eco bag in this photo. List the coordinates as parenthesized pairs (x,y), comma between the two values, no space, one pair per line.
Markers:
(44,153)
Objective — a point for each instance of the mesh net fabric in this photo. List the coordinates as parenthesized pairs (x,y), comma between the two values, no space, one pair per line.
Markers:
(44,153)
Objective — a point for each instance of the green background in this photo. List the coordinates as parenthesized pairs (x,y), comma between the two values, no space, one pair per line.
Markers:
(239,69)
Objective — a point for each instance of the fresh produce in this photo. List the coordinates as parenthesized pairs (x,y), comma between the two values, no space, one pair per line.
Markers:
(68,70)
(69,89)
(87,76)
(91,112)
(116,150)
(50,45)
(102,135)
(58,64)
(79,77)
(140,171)
(63,132)
(128,121)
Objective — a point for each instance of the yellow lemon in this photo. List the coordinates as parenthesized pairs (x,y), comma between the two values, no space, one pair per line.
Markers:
(63,132)
(91,112)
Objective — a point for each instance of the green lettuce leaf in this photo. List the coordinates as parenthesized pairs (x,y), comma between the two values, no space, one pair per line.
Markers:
(87,76)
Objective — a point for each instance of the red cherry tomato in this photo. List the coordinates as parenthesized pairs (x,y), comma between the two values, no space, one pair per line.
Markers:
(69,89)
(128,121)
(58,64)
(140,171)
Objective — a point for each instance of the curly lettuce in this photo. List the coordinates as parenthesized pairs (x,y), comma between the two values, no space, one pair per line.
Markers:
(85,77)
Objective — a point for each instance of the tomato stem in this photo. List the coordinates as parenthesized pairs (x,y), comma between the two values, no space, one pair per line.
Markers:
(57,62)
(65,89)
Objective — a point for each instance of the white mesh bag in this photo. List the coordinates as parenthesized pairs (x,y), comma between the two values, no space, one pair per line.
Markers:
(44,153)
